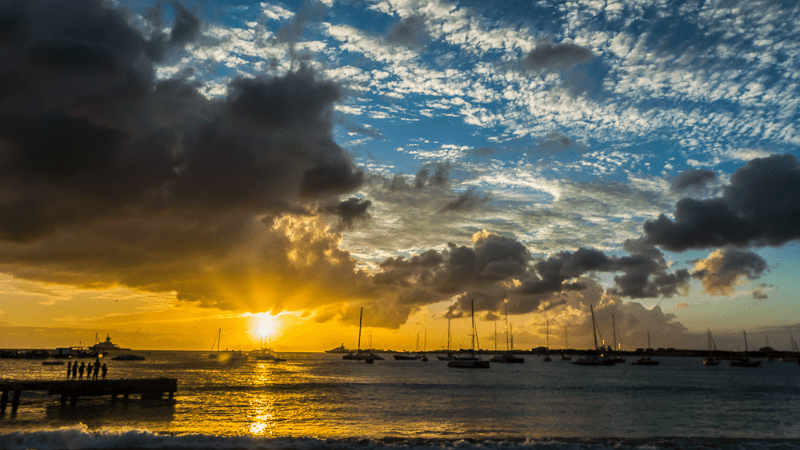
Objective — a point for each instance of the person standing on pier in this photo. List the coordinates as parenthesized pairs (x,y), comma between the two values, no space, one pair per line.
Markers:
(96,370)
(89,371)
(80,371)
(105,371)
(69,369)
(75,370)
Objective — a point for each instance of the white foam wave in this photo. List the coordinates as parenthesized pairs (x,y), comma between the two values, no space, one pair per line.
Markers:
(81,437)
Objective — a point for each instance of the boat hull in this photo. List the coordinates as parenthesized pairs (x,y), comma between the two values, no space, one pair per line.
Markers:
(468,364)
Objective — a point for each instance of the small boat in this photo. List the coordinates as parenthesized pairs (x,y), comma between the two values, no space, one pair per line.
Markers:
(449,356)
(360,355)
(597,358)
(744,361)
(508,357)
(616,358)
(645,360)
(712,347)
(547,357)
(470,362)
(128,357)
(226,355)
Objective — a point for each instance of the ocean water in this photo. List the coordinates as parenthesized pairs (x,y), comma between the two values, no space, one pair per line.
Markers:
(320,401)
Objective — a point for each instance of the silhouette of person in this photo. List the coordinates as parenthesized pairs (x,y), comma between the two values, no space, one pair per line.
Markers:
(105,371)
(80,371)
(96,370)
(89,371)
(69,369)
(75,370)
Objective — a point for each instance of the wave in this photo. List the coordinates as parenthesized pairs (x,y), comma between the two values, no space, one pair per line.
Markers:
(81,437)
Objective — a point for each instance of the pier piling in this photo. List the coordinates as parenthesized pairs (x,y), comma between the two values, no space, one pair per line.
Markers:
(146,388)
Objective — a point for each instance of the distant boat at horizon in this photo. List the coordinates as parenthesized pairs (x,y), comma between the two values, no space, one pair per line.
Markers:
(596,359)
(470,362)
(226,355)
(339,349)
(106,346)
(508,357)
(744,361)
(646,360)
(711,361)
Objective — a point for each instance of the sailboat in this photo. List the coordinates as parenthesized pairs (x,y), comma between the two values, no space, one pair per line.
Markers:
(712,347)
(566,345)
(226,355)
(265,353)
(406,356)
(646,360)
(744,361)
(596,359)
(359,355)
(470,362)
(547,357)
(449,356)
(616,358)
(507,357)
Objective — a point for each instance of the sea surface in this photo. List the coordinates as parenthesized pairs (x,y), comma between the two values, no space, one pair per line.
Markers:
(320,401)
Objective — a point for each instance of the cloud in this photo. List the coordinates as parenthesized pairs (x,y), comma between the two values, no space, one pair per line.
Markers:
(692,179)
(760,206)
(725,267)
(682,305)
(349,210)
(149,184)
(467,201)
(410,31)
(550,57)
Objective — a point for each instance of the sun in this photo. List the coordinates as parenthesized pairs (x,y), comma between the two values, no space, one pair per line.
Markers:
(265,324)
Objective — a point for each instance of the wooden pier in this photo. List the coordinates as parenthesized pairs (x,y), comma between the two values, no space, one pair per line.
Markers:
(146,388)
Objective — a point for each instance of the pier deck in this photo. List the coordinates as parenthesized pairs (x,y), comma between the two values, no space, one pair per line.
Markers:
(146,388)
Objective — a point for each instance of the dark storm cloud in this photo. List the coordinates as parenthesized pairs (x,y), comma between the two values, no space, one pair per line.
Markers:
(689,179)
(410,32)
(555,142)
(723,269)
(108,175)
(550,56)
(349,210)
(425,178)
(499,269)
(760,206)
(467,201)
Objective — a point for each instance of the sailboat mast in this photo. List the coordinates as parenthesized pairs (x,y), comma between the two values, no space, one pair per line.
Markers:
(448,335)
(547,335)
(745,340)
(566,342)
(614,327)
(219,337)
(474,331)
(594,331)
(507,338)
(360,316)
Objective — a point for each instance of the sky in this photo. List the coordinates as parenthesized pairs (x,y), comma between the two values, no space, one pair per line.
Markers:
(272,171)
